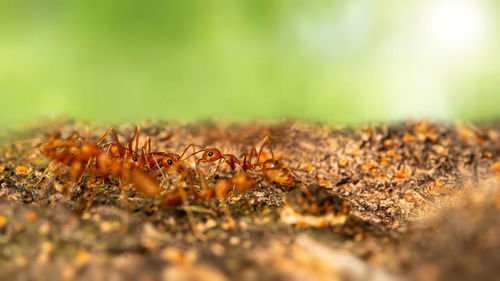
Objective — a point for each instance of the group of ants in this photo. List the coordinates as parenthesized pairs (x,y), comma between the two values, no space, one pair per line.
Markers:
(140,167)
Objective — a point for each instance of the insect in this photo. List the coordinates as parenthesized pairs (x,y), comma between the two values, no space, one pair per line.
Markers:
(73,152)
(83,156)
(213,154)
(272,169)
(145,159)
(121,168)
(225,188)
(118,150)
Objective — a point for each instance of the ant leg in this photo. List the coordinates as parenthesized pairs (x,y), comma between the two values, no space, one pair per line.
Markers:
(222,161)
(124,197)
(117,141)
(194,152)
(84,169)
(129,149)
(225,208)
(108,149)
(137,134)
(106,134)
(242,165)
(306,189)
(268,141)
(88,133)
(133,142)
(147,145)
(216,167)
(189,212)
(125,205)
(43,175)
(146,162)
(159,168)
(203,181)
(299,178)
(92,197)
(254,153)
(182,172)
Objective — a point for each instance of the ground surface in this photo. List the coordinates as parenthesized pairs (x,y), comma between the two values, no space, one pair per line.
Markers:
(416,201)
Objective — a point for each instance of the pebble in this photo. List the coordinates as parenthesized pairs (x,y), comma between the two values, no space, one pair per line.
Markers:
(234,240)
(217,249)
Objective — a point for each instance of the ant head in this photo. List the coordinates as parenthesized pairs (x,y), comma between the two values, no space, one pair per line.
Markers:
(211,154)
(133,160)
(169,159)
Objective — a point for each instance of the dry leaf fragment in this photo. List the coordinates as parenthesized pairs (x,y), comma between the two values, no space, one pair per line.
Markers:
(343,162)
(440,149)
(384,161)
(393,154)
(306,167)
(407,138)
(389,143)
(401,176)
(325,183)
(368,167)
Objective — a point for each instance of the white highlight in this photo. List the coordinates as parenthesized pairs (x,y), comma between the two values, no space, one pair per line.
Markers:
(456,26)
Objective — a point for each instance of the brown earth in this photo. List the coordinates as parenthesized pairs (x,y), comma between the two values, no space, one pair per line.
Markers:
(424,201)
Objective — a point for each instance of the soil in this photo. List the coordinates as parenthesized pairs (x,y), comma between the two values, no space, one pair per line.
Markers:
(415,200)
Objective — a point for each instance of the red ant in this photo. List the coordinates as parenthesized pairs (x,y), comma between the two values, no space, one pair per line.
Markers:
(272,169)
(73,152)
(150,161)
(221,191)
(213,154)
(79,155)
(147,160)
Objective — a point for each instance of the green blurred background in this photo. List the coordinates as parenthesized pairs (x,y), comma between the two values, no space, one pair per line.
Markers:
(338,61)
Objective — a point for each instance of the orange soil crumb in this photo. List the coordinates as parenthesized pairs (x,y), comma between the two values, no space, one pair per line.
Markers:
(21,170)
(31,216)
(3,220)
(496,167)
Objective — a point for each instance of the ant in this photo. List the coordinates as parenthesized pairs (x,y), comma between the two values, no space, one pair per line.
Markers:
(72,152)
(221,191)
(82,156)
(211,155)
(149,161)
(118,150)
(272,169)
(146,160)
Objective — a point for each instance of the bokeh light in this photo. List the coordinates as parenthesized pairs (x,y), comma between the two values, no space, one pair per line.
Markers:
(338,61)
